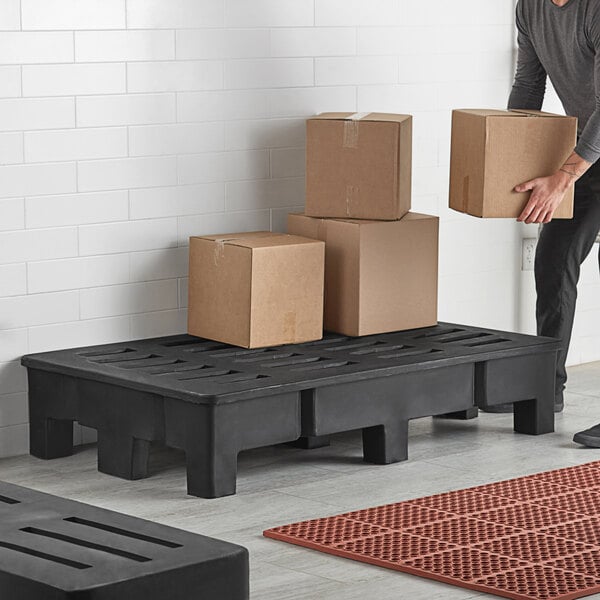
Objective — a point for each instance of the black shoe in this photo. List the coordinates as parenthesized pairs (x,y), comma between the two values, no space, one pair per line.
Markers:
(589,437)
(559,405)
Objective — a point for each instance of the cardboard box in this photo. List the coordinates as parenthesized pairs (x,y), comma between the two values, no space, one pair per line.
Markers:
(379,275)
(358,165)
(256,289)
(495,150)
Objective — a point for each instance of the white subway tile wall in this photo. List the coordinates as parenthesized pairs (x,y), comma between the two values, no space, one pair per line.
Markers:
(585,344)
(131,109)
(33,180)
(128,125)
(76,209)
(74,79)
(13,280)
(174,14)
(126,173)
(108,46)
(12,213)
(11,148)
(30,114)
(75,144)
(10,17)
(10,80)
(35,47)
(72,14)
(77,273)
(174,76)
(222,43)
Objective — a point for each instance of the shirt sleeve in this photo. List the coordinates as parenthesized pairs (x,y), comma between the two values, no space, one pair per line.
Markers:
(529,85)
(588,146)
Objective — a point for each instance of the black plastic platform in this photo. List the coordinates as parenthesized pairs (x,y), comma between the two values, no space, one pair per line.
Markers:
(214,400)
(56,549)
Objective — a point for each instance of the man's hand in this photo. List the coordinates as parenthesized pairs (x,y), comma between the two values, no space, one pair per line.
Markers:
(546,194)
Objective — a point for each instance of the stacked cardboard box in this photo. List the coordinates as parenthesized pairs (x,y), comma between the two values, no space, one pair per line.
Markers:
(495,150)
(379,275)
(256,289)
(358,166)
(380,259)
(357,250)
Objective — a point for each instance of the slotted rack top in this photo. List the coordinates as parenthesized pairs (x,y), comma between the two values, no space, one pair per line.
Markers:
(72,546)
(208,372)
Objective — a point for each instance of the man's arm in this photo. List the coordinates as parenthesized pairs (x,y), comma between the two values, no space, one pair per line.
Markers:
(529,85)
(548,192)
(588,146)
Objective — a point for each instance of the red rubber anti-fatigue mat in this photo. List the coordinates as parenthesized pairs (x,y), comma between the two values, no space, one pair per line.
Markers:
(535,537)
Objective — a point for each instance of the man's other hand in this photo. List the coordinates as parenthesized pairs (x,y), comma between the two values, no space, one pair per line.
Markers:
(546,194)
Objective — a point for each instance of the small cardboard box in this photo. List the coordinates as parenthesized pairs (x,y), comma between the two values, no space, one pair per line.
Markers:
(495,150)
(358,165)
(379,275)
(256,289)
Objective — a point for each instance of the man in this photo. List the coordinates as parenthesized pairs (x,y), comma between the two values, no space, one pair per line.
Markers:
(561,39)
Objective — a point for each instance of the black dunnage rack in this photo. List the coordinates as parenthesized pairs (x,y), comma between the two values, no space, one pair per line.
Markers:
(214,400)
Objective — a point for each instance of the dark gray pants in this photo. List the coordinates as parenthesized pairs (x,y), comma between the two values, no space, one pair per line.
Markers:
(563,246)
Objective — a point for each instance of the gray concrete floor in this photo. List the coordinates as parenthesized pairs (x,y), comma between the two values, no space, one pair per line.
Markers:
(279,485)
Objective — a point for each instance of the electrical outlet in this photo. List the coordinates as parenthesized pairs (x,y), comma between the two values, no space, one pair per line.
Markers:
(528,254)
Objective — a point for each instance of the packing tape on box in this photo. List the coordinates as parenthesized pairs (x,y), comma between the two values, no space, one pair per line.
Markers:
(322,230)
(219,252)
(351,129)
(352,192)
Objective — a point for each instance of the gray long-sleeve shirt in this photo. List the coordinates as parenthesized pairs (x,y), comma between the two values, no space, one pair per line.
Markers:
(563,43)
